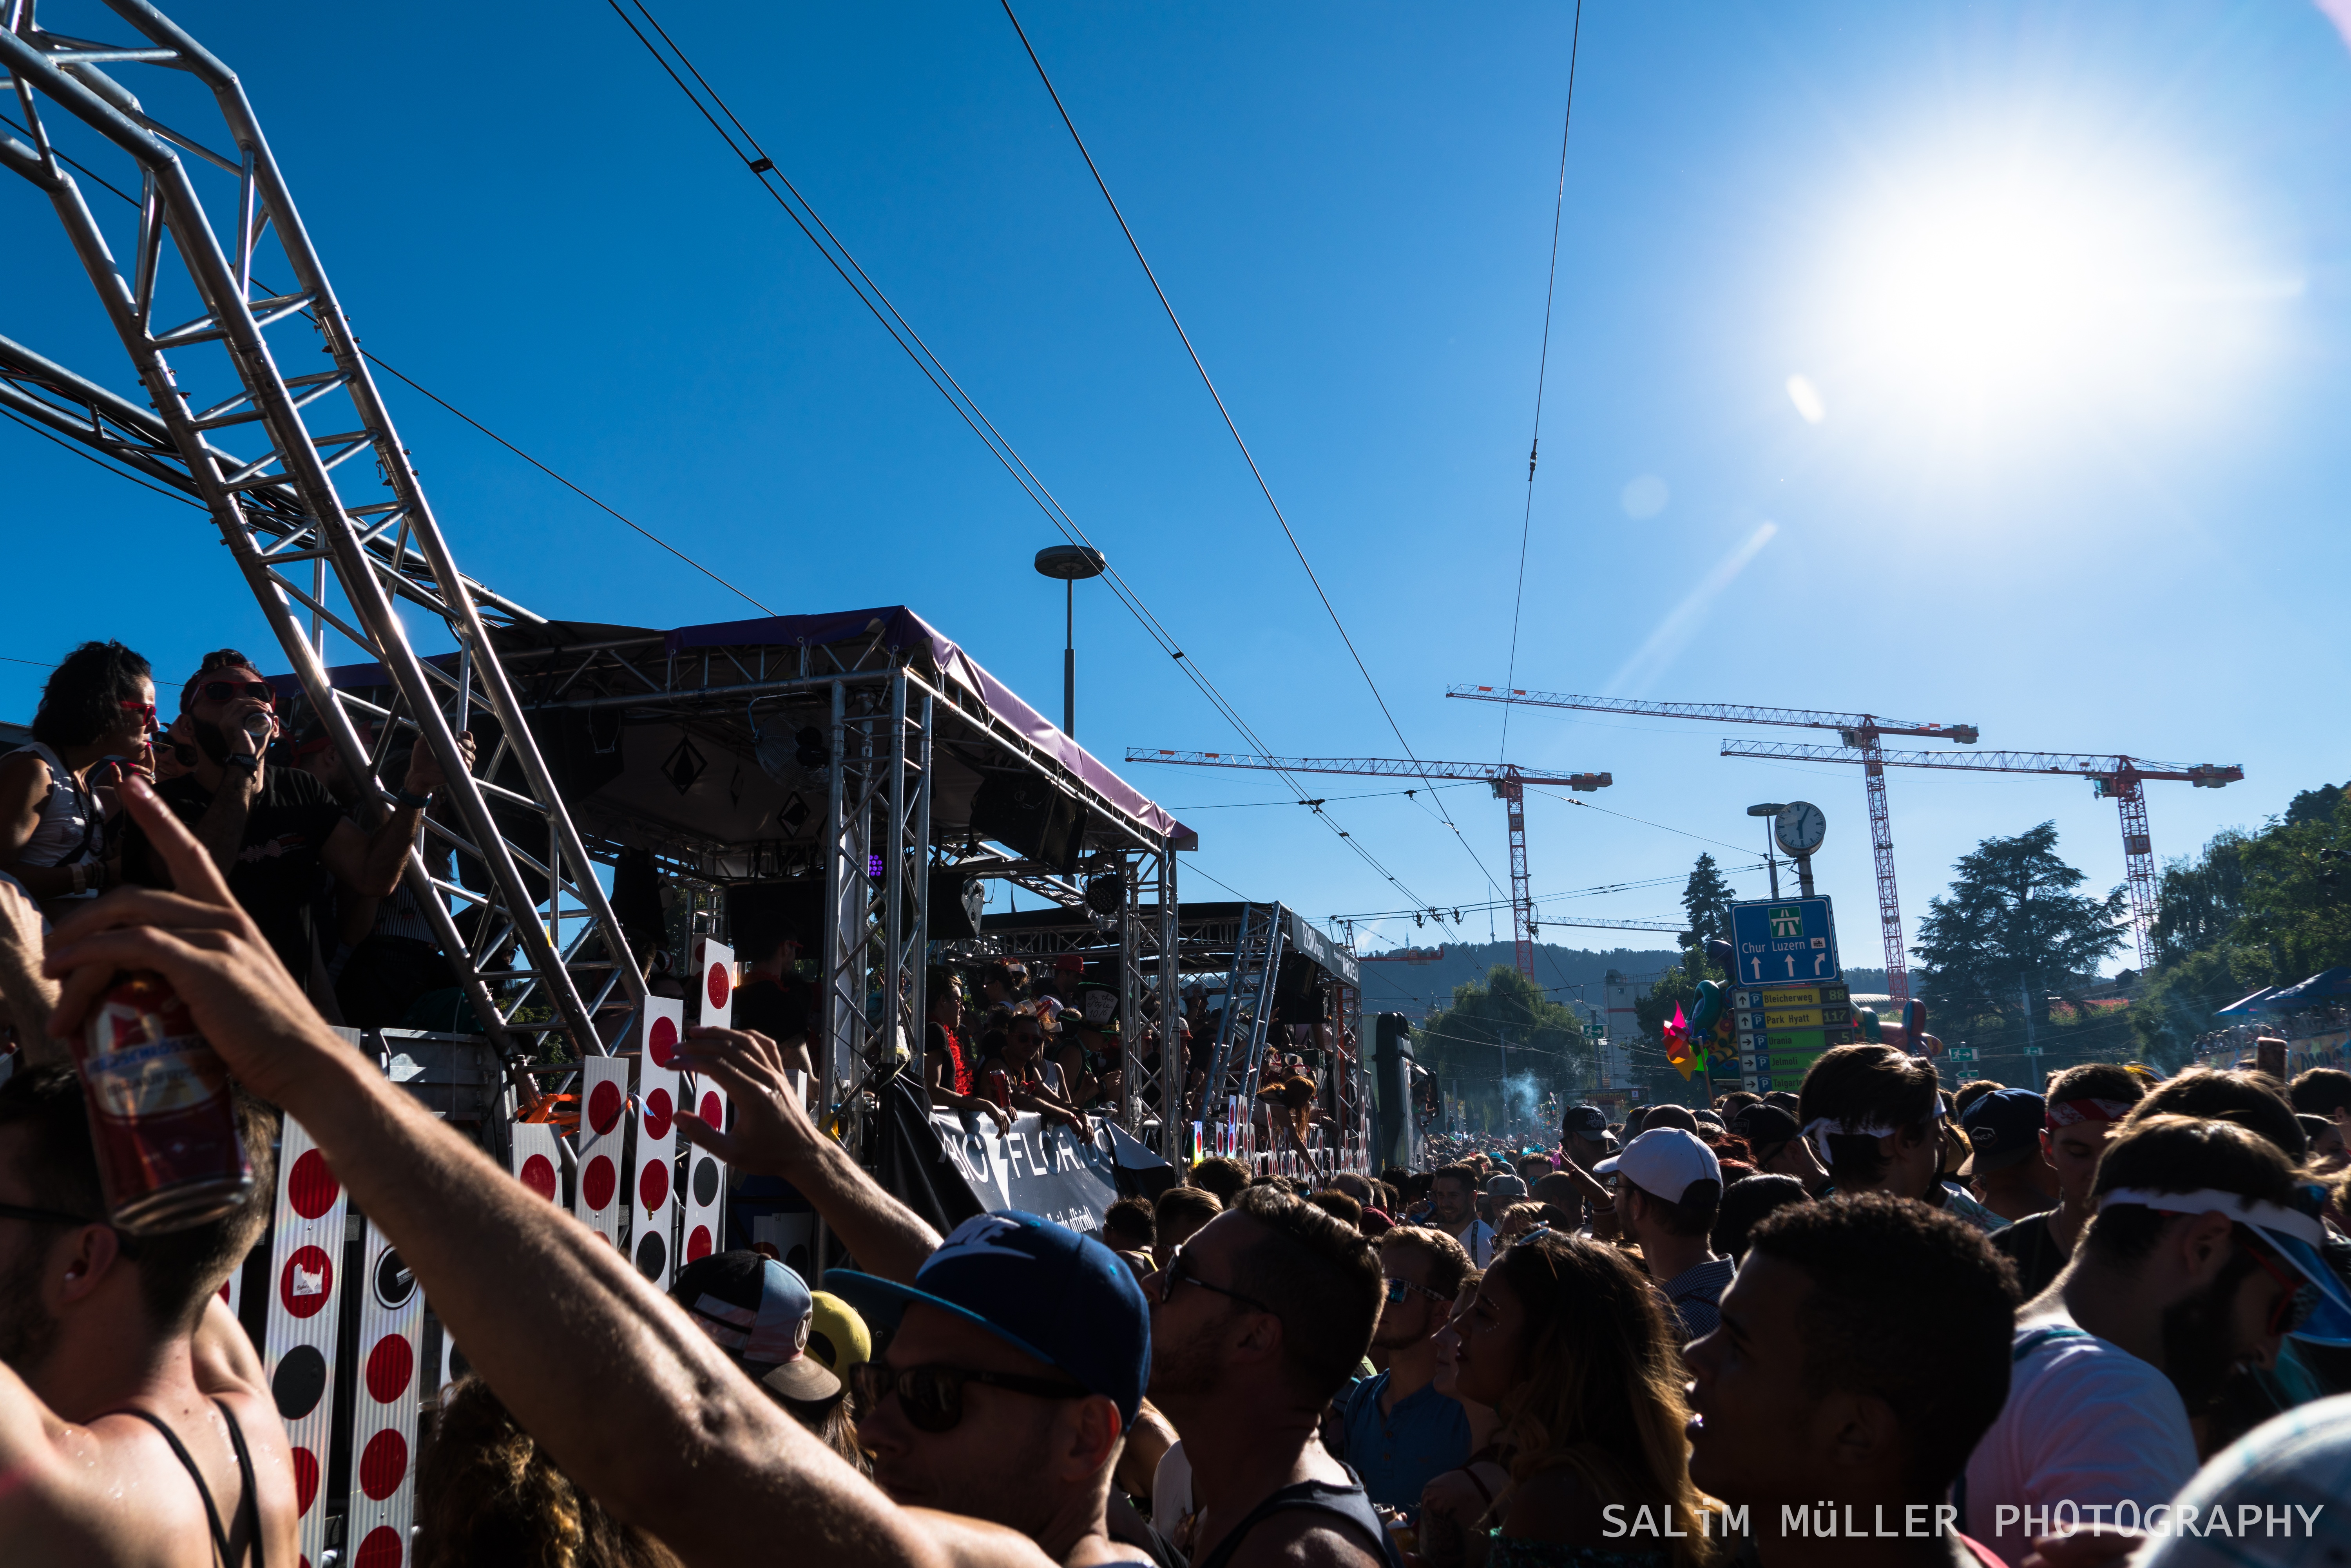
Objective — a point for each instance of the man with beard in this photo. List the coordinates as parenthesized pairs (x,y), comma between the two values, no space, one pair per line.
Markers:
(1401,1433)
(125,1376)
(271,830)
(2200,1260)
(1255,1323)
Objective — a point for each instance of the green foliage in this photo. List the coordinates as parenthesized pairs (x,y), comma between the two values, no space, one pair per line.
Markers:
(2011,930)
(2252,910)
(1707,899)
(1462,1043)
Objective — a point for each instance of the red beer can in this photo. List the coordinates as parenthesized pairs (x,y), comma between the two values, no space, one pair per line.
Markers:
(161,1116)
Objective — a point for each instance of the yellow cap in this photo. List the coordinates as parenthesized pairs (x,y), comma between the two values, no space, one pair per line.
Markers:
(837,1335)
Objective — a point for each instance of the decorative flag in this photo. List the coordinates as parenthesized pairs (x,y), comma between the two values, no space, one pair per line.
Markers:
(654,1171)
(603,1134)
(1677,1043)
(297,1345)
(383,1414)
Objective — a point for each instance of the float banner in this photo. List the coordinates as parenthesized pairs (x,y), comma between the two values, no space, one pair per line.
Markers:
(1044,1168)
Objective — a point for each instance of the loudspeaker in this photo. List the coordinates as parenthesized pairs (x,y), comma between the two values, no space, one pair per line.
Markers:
(761,913)
(954,904)
(1296,999)
(1025,812)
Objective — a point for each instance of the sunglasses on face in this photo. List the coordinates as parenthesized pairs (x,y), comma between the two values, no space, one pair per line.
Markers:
(1026,1037)
(932,1396)
(1399,1289)
(1179,1271)
(146,711)
(261,692)
(2293,1308)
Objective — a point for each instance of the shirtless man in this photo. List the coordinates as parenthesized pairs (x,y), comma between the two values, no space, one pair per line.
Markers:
(669,1436)
(110,1345)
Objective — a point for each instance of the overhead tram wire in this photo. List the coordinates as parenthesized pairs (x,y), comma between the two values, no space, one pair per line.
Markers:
(1542,371)
(427,392)
(1264,488)
(933,370)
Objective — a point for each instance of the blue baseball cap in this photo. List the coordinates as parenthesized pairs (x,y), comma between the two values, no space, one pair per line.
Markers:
(1041,1288)
(2003,1128)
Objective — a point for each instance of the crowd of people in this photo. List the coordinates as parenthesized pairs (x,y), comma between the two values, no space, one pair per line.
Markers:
(1875,1321)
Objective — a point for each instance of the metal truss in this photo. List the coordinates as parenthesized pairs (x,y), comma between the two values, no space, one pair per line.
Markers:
(1731,712)
(1375,767)
(219,381)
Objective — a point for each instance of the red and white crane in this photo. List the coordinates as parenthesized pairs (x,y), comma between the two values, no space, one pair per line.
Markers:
(1508,780)
(1860,731)
(2121,779)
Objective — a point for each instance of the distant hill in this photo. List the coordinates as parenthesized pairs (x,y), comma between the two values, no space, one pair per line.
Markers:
(1570,974)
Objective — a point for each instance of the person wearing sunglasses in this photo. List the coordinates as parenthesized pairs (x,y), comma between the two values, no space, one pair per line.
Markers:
(1017,1349)
(1256,1323)
(1399,1432)
(274,831)
(123,1374)
(96,713)
(2201,1257)
(647,1414)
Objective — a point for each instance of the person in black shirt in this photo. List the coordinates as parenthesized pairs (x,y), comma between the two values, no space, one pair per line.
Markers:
(277,833)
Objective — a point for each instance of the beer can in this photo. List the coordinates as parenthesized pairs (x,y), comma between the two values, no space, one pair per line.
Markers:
(161,1116)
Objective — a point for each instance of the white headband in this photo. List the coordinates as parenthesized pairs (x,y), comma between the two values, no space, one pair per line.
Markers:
(1817,1131)
(2235,1205)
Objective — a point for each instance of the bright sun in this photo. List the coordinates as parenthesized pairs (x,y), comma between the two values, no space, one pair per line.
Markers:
(2031,292)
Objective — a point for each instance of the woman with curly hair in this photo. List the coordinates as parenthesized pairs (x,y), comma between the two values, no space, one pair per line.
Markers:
(489,1497)
(93,725)
(1568,1342)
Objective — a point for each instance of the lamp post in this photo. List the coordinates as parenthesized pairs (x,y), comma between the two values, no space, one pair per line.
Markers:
(1770,809)
(1070,563)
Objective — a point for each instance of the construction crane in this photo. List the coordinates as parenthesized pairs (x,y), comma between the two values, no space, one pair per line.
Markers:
(1861,731)
(2121,779)
(1508,780)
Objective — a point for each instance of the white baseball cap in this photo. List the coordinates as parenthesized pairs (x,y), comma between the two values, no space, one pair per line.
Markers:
(1664,1162)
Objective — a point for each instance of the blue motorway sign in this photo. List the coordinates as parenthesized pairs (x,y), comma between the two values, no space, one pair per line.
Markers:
(1784,940)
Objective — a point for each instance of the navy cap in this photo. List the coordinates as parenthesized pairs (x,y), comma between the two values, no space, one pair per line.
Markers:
(1585,1121)
(1765,1126)
(1043,1289)
(2003,1128)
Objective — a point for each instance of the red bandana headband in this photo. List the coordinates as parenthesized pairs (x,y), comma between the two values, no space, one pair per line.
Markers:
(2067,1112)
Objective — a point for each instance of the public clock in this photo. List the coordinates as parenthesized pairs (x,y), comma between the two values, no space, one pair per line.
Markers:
(1799,828)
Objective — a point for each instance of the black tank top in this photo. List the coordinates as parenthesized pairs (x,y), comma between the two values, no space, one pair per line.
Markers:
(248,1510)
(1345,1503)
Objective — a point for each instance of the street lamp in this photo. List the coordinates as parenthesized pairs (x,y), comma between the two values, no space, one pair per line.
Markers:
(1070,563)
(1770,809)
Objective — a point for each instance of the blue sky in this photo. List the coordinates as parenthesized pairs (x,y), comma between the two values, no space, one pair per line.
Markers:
(2065,285)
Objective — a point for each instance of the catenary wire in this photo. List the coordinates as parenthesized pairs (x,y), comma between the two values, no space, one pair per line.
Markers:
(1263,487)
(933,370)
(427,392)
(1542,371)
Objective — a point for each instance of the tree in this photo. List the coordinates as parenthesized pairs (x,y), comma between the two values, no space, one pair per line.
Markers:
(1706,898)
(2012,927)
(2199,902)
(1465,1043)
(2255,909)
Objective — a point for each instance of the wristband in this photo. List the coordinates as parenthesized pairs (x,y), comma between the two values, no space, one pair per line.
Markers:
(237,759)
(80,879)
(414,801)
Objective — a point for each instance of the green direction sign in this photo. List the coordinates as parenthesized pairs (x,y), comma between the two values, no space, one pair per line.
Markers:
(1785,1053)
(1960,1053)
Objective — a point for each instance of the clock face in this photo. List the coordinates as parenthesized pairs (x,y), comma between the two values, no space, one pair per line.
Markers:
(1799,826)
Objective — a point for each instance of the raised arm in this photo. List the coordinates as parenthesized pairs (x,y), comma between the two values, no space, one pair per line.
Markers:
(673,1438)
(25,994)
(773,1136)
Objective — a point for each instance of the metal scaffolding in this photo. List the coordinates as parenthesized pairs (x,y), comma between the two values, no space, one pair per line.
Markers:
(220,380)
